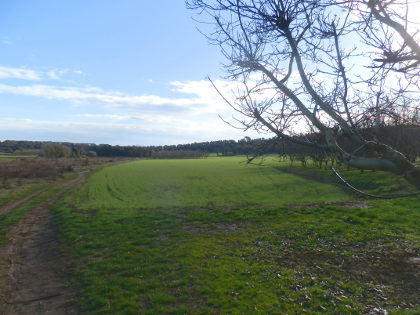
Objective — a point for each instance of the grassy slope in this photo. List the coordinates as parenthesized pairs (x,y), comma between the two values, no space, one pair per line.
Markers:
(220,182)
(215,235)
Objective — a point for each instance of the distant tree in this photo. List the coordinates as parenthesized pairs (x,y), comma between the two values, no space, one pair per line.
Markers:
(296,72)
(91,154)
(178,154)
(54,150)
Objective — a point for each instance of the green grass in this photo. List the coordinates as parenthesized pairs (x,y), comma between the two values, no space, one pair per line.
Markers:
(212,182)
(373,182)
(13,156)
(219,236)
(7,195)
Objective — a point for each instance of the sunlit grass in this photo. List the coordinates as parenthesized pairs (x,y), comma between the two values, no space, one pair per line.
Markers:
(13,156)
(220,236)
(214,182)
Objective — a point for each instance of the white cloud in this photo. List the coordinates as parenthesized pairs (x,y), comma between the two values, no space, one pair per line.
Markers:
(139,132)
(202,96)
(105,116)
(188,111)
(19,73)
(34,75)
(206,93)
(95,95)
(54,75)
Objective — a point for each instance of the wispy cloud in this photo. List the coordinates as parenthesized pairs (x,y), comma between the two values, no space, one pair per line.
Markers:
(106,116)
(116,99)
(187,111)
(20,73)
(5,41)
(34,75)
(196,95)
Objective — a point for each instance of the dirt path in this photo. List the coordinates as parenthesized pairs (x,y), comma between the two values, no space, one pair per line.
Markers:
(8,207)
(37,281)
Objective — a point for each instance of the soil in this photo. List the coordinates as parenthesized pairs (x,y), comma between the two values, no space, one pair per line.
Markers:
(341,204)
(37,280)
(8,207)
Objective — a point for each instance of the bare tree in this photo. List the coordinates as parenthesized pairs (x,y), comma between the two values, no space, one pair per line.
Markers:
(389,27)
(299,69)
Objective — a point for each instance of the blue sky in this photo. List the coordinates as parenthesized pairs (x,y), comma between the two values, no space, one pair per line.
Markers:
(126,72)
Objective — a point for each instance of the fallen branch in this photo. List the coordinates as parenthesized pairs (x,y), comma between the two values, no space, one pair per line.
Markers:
(42,297)
(367,194)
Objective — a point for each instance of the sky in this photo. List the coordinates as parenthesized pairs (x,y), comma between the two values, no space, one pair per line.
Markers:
(128,72)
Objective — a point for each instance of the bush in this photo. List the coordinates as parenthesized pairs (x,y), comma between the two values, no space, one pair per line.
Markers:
(54,150)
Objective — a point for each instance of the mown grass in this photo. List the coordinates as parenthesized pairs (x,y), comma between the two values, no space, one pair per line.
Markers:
(220,182)
(218,236)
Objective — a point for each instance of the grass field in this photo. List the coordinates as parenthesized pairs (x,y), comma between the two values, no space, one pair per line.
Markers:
(13,156)
(214,182)
(218,236)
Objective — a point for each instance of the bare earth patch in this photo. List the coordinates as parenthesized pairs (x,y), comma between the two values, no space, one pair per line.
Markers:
(36,274)
(220,227)
(342,204)
(396,274)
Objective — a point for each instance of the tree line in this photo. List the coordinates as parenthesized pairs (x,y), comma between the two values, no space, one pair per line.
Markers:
(404,138)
